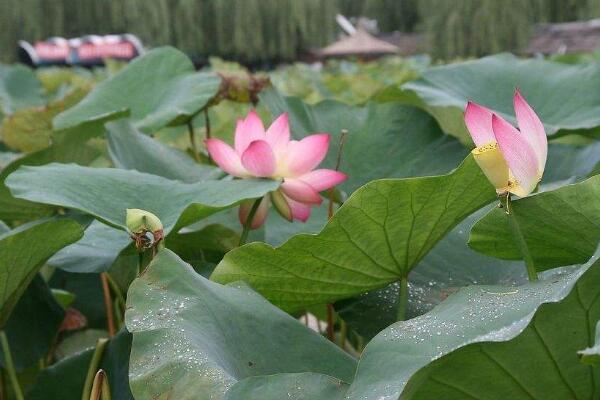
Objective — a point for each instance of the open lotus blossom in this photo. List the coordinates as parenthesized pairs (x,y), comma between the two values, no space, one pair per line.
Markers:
(260,153)
(513,160)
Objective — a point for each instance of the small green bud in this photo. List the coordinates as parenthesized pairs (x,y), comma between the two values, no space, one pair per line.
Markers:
(141,221)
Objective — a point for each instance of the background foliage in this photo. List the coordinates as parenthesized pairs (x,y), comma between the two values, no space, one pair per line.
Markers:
(270,30)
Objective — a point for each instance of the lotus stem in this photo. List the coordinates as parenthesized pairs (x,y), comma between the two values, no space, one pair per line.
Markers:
(192,135)
(140,262)
(208,131)
(520,240)
(402,299)
(360,344)
(118,317)
(100,388)
(330,323)
(343,334)
(110,319)
(10,367)
(338,161)
(93,368)
(116,290)
(3,394)
(248,222)
(207,123)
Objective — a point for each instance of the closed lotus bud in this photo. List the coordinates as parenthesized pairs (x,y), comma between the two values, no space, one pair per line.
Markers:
(139,222)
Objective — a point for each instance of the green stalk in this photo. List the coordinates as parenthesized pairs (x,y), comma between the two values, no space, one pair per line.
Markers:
(192,134)
(108,305)
(100,388)
(330,323)
(402,299)
(360,344)
(248,223)
(118,316)
(10,367)
(140,262)
(208,132)
(116,289)
(520,242)
(93,368)
(3,394)
(343,334)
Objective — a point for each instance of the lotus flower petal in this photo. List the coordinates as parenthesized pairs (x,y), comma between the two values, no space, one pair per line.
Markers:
(323,179)
(479,123)
(225,157)
(259,216)
(247,131)
(281,205)
(300,211)
(492,163)
(278,134)
(519,155)
(300,191)
(532,129)
(304,155)
(259,159)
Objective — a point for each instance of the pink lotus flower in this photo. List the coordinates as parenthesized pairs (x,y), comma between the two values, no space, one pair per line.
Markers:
(271,154)
(513,160)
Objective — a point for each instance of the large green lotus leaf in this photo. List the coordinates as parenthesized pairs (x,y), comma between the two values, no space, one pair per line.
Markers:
(380,233)
(204,248)
(565,97)
(302,386)
(3,228)
(23,251)
(278,230)
(450,265)
(157,89)
(65,379)
(30,129)
(591,355)
(70,147)
(560,227)
(19,88)
(107,192)
(384,140)
(33,325)
(193,338)
(491,342)
(6,157)
(95,252)
(566,162)
(130,149)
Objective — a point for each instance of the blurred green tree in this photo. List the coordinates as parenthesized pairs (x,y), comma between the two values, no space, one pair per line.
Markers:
(275,30)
